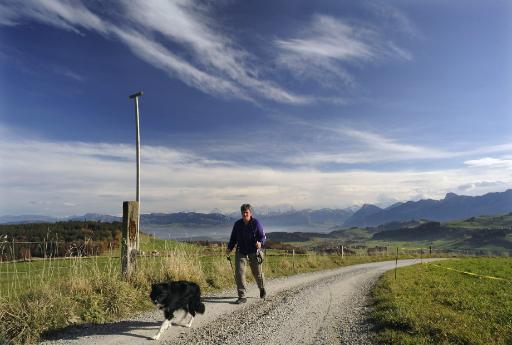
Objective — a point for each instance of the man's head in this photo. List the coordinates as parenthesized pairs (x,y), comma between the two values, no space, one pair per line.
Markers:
(246,210)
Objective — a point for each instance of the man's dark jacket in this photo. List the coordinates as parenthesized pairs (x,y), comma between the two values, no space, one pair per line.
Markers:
(246,235)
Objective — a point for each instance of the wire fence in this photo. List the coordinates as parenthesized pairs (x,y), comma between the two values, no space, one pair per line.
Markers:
(19,272)
(23,251)
(50,249)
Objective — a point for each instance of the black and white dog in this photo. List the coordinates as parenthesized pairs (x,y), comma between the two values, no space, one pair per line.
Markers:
(173,296)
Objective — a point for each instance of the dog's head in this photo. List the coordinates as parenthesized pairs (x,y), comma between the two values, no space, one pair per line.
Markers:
(158,294)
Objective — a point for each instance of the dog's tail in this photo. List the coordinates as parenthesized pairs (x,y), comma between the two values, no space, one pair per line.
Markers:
(199,307)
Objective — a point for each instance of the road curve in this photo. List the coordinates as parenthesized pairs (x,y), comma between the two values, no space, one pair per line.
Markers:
(327,307)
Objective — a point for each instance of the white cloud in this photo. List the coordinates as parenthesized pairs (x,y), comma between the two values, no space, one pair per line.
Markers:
(187,23)
(214,64)
(335,142)
(65,14)
(346,145)
(489,162)
(8,15)
(160,57)
(70,74)
(329,38)
(482,187)
(63,178)
(325,48)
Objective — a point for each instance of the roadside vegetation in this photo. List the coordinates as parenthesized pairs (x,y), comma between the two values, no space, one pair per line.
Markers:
(77,278)
(38,297)
(430,304)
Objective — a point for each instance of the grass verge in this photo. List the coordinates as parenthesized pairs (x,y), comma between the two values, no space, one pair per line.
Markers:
(428,304)
(53,294)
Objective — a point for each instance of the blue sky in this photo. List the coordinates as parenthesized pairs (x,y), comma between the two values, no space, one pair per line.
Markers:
(276,103)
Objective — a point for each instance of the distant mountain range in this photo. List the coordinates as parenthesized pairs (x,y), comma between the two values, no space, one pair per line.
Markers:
(30,218)
(360,216)
(326,217)
(452,207)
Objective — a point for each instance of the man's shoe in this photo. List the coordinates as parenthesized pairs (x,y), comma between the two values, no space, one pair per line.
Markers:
(263,293)
(241,300)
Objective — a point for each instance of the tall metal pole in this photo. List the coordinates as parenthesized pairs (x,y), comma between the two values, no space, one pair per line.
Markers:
(135,97)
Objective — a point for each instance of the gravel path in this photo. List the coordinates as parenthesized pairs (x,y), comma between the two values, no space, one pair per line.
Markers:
(327,307)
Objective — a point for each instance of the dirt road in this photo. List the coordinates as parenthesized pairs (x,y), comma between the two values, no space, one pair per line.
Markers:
(328,307)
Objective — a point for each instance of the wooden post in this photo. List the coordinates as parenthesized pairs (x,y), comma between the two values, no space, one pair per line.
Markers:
(293,259)
(342,253)
(129,244)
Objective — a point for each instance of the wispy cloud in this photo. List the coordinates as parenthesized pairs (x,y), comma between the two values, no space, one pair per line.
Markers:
(209,60)
(330,38)
(489,162)
(69,74)
(394,19)
(332,142)
(8,15)
(483,187)
(329,44)
(65,14)
(160,57)
(189,24)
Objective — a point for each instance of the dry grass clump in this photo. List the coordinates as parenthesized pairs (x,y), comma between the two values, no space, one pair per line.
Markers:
(24,318)
(219,274)
(53,305)
(181,265)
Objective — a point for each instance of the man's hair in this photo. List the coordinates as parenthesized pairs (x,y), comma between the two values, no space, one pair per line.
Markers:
(245,207)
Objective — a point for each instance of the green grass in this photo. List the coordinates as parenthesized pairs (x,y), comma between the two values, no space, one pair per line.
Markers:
(489,222)
(43,296)
(474,226)
(432,305)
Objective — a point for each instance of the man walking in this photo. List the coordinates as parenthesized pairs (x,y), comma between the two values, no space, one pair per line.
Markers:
(248,236)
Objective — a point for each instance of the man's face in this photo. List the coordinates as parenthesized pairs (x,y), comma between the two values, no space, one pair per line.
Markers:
(246,215)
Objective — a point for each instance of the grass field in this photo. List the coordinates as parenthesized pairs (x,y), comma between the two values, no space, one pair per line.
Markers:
(428,304)
(42,296)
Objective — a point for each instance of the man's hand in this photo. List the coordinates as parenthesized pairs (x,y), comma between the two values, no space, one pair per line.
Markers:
(258,245)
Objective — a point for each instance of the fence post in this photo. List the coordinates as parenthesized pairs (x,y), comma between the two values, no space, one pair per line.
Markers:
(396,262)
(342,253)
(130,239)
(293,259)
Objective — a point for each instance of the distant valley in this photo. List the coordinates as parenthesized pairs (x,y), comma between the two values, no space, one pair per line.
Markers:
(480,222)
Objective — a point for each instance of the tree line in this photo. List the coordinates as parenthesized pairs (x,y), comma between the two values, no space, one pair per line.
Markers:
(61,239)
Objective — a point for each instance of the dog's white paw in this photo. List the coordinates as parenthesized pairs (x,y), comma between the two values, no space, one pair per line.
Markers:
(156,337)
(189,324)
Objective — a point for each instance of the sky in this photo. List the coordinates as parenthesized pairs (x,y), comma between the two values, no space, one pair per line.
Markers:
(303,104)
